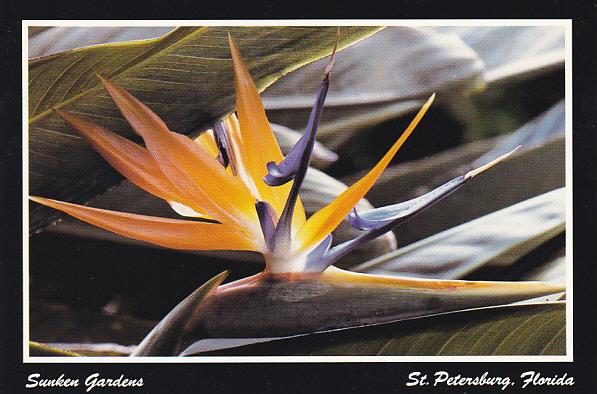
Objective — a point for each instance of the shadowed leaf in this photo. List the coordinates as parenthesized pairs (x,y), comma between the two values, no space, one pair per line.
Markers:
(262,306)
(535,329)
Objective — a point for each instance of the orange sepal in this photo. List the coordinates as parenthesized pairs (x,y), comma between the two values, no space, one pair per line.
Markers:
(169,233)
(187,165)
(256,140)
(131,160)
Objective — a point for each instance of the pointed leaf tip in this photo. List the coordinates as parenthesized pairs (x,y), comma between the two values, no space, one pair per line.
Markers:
(164,339)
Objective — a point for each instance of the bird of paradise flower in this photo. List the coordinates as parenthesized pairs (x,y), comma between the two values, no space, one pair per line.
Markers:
(236,177)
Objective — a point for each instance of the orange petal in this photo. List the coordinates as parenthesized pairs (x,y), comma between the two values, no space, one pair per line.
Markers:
(128,158)
(329,217)
(256,140)
(169,233)
(207,140)
(233,127)
(189,167)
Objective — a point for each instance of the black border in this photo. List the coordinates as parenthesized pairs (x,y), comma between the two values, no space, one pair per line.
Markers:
(301,377)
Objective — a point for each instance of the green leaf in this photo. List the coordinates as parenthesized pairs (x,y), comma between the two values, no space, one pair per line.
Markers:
(85,349)
(532,329)
(184,76)
(499,239)
(39,349)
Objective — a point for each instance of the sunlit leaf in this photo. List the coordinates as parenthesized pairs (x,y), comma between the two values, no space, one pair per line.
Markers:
(39,349)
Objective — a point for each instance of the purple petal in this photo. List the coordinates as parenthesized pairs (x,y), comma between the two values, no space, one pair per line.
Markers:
(296,162)
(396,213)
(266,214)
(225,156)
(381,220)
(296,166)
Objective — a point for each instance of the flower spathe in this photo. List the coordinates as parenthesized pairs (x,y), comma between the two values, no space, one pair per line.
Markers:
(236,176)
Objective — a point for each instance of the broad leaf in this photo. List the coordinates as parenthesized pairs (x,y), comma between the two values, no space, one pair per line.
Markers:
(54,39)
(498,239)
(513,52)
(377,79)
(184,76)
(535,329)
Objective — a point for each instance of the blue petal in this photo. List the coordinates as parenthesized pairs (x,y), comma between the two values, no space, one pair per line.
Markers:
(381,220)
(297,160)
(266,214)
(314,258)
(295,165)
(225,156)
(396,213)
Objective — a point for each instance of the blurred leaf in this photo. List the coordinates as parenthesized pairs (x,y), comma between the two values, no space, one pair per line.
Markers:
(318,190)
(377,79)
(36,30)
(535,329)
(184,76)
(52,323)
(38,349)
(513,52)
(551,270)
(497,239)
(546,127)
(48,40)
(93,349)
